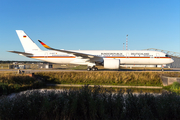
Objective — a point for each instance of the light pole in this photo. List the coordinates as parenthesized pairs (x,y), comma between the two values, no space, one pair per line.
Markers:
(126,42)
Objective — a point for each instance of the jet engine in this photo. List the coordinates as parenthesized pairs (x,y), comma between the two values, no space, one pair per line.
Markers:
(111,63)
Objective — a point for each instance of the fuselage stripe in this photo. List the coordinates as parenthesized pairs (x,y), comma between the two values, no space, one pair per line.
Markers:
(103,56)
(53,57)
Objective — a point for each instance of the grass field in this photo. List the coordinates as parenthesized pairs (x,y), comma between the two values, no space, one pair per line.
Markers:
(106,78)
(4,66)
(11,83)
(87,102)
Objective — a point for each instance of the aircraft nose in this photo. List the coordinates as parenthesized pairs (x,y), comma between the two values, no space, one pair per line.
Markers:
(171,60)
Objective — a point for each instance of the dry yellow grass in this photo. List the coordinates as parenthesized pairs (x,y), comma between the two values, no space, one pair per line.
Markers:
(4,66)
(8,72)
(106,77)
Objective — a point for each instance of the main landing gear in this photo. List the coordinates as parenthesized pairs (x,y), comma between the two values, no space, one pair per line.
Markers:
(92,68)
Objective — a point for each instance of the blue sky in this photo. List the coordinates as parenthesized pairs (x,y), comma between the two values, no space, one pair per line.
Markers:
(90,24)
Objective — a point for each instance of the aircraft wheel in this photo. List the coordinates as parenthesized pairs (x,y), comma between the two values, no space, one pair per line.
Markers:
(88,69)
(93,69)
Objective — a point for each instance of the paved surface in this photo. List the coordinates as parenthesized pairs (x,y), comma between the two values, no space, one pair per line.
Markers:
(106,86)
(51,70)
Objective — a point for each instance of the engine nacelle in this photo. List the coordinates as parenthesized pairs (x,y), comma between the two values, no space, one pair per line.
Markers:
(111,63)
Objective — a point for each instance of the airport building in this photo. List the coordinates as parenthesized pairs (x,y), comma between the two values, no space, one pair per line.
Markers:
(175,64)
(174,55)
(31,66)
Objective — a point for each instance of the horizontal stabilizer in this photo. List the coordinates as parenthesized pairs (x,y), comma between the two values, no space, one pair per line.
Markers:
(21,53)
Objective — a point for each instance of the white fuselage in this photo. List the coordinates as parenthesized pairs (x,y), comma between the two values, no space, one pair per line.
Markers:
(110,59)
(127,57)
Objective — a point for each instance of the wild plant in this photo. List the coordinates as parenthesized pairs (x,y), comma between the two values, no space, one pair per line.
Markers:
(10,83)
(89,103)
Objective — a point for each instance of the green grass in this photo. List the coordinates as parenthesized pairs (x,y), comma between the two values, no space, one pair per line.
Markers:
(80,67)
(11,83)
(175,86)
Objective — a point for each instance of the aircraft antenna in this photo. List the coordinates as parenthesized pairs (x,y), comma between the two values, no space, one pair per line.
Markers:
(126,42)
(123,46)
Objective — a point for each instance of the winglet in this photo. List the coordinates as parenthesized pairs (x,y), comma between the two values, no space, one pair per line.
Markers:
(43,44)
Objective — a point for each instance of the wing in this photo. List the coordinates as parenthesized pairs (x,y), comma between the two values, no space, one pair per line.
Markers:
(21,53)
(84,55)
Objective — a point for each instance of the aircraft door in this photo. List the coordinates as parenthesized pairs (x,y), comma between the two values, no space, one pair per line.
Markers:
(46,55)
(127,61)
(127,55)
(157,55)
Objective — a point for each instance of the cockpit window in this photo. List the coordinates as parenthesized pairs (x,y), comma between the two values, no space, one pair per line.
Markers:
(166,55)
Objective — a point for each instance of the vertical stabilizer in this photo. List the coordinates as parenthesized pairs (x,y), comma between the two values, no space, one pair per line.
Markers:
(27,43)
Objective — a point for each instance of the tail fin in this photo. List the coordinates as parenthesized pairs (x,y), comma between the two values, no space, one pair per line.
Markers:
(27,43)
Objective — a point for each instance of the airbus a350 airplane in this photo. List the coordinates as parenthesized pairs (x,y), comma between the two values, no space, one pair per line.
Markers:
(110,59)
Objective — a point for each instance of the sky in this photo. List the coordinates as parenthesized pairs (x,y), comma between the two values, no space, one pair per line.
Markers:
(90,24)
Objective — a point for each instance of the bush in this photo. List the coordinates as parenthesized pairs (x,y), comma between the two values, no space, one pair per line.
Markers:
(89,103)
(175,86)
(10,83)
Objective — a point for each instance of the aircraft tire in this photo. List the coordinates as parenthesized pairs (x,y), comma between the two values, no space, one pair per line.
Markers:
(93,69)
(88,69)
